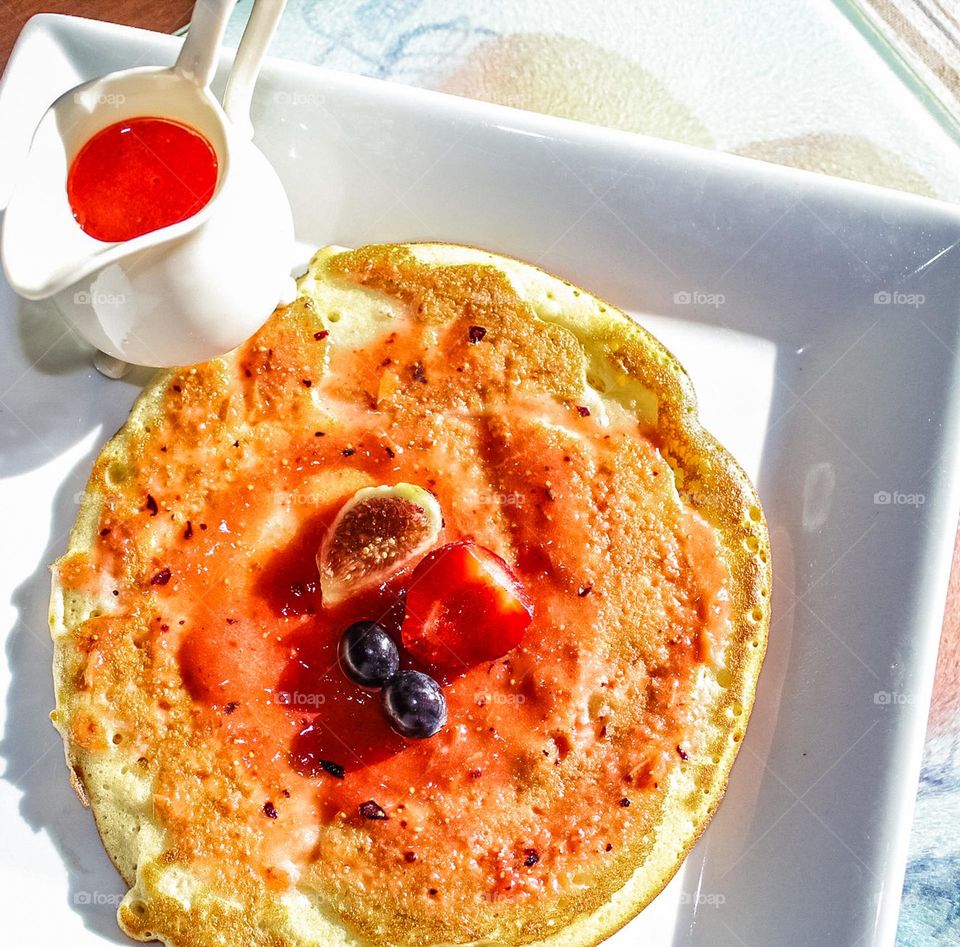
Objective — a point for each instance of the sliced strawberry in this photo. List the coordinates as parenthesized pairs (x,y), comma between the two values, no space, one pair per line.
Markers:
(464,607)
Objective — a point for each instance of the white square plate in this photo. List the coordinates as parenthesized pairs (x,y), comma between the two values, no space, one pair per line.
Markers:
(819,322)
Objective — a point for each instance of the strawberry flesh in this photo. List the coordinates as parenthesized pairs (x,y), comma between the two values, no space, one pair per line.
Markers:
(464,607)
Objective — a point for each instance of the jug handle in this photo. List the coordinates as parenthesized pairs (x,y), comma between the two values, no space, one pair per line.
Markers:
(246,64)
(201,49)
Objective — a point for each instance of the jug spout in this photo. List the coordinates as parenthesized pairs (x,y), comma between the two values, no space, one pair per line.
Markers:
(44,249)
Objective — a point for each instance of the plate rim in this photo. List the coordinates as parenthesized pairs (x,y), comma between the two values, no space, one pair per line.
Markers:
(488,112)
(936,570)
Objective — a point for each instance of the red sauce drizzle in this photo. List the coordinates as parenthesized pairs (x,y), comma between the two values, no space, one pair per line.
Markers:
(139,175)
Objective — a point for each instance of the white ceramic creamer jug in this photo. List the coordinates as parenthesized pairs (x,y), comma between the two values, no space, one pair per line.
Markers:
(191,290)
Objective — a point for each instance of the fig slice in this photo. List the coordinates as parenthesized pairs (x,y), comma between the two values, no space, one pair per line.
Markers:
(377,532)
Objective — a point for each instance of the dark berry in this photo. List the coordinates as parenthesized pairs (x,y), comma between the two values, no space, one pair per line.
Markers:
(414,705)
(368,654)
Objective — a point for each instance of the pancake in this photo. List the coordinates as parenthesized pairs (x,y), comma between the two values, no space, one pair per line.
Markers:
(246,791)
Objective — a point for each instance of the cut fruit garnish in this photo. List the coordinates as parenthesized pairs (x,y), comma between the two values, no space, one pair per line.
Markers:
(377,532)
(464,606)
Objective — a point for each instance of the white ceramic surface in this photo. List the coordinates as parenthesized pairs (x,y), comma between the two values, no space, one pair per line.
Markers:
(818,320)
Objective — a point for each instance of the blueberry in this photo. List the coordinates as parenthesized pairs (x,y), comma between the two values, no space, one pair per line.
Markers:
(368,654)
(414,705)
